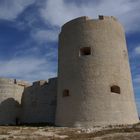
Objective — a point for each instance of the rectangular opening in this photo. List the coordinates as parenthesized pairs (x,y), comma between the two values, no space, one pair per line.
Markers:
(115,89)
(66,93)
(85,51)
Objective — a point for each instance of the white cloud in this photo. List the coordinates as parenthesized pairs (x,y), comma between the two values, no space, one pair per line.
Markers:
(58,12)
(44,35)
(27,68)
(137,50)
(10,9)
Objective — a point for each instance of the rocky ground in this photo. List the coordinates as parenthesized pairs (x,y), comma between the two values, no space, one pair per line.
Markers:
(59,133)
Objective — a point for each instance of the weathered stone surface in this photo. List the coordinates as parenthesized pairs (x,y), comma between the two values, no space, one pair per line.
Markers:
(39,102)
(21,102)
(10,99)
(87,76)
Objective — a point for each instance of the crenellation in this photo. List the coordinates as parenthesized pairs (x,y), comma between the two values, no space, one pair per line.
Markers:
(102,17)
(22,83)
(40,83)
(73,24)
(6,80)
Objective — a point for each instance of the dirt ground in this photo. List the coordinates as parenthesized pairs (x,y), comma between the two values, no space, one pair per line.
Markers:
(131,132)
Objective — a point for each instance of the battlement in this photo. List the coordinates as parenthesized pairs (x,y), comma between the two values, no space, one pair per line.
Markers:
(52,80)
(101,17)
(22,83)
(40,83)
(7,80)
(44,82)
(14,81)
(25,83)
(86,18)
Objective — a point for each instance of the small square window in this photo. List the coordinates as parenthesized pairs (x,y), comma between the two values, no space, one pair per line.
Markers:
(66,93)
(85,51)
(115,89)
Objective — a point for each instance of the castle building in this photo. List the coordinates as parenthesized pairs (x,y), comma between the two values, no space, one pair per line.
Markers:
(94,80)
(93,87)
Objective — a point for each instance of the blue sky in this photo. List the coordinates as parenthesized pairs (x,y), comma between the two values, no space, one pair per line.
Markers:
(29,34)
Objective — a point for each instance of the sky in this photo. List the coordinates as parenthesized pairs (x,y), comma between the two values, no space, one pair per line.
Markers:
(29,34)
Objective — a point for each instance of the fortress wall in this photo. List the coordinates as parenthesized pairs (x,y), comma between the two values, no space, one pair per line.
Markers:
(39,102)
(20,86)
(84,95)
(10,98)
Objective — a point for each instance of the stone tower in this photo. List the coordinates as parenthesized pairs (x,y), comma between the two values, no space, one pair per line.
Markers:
(94,80)
(10,97)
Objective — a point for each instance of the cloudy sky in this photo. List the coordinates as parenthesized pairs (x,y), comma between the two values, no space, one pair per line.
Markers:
(29,30)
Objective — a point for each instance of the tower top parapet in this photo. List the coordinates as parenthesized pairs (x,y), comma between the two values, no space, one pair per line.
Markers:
(86,18)
(14,81)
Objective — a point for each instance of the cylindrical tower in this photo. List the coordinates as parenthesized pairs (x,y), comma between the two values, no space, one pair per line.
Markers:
(94,80)
(10,98)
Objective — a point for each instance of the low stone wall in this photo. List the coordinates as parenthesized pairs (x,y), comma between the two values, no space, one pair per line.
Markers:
(10,99)
(39,102)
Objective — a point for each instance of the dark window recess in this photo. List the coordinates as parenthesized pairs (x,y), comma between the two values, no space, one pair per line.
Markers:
(115,89)
(101,17)
(85,51)
(66,93)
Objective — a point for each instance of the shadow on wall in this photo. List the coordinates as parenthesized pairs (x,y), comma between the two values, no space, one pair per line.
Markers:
(9,112)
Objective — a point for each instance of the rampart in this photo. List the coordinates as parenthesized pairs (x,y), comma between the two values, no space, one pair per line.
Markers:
(39,102)
(10,99)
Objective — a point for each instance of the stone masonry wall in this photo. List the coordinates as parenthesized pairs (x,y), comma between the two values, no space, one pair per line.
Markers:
(10,99)
(39,102)
(93,59)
